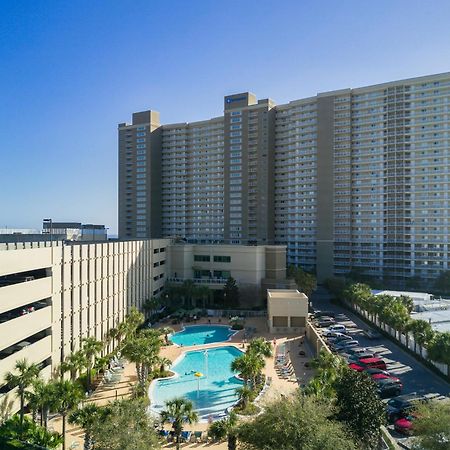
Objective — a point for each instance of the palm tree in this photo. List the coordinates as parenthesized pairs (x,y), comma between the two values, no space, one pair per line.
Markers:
(143,351)
(41,399)
(188,290)
(178,412)
(86,417)
(151,305)
(203,292)
(249,366)
(27,373)
(225,428)
(165,331)
(73,363)
(260,346)
(245,394)
(67,397)
(118,334)
(163,363)
(422,332)
(91,347)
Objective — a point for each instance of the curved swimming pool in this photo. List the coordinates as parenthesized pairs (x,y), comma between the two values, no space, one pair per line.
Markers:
(212,393)
(202,334)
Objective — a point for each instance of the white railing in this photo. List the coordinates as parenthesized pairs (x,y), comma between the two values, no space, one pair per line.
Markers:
(199,280)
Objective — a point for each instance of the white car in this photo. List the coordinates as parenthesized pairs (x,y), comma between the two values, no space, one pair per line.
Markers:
(335,329)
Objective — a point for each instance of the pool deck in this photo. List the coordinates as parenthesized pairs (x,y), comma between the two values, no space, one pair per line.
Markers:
(279,387)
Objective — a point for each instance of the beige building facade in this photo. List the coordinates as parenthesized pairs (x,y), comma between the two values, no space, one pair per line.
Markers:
(287,311)
(54,295)
(255,268)
(353,179)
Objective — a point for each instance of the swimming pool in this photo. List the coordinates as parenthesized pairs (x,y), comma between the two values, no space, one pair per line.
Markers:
(202,334)
(212,393)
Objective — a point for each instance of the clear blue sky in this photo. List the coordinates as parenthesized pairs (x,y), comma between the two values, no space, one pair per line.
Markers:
(70,71)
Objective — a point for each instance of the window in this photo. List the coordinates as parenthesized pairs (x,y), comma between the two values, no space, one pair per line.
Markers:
(226,259)
(235,119)
(203,258)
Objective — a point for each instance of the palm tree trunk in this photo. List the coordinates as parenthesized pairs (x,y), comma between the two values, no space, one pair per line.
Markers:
(22,406)
(232,441)
(64,431)
(88,378)
(178,442)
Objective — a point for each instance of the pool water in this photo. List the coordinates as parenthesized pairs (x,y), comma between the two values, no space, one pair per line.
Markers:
(202,334)
(212,393)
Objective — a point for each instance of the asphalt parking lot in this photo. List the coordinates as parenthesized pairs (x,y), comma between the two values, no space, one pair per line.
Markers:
(414,375)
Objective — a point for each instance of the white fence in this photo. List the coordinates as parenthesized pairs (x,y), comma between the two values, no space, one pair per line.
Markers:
(406,339)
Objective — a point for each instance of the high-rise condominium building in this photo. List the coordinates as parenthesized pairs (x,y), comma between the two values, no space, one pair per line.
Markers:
(350,179)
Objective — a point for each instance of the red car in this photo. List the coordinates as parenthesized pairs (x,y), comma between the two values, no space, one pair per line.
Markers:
(362,364)
(404,425)
(382,376)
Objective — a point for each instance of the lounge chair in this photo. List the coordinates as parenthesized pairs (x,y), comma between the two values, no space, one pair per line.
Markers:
(186,435)
(198,436)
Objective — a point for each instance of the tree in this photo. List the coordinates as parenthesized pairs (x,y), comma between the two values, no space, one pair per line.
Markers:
(439,348)
(27,374)
(360,407)
(151,305)
(336,286)
(203,293)
(407,301)
(26,435)
(178,412)
(187,291)
(442,282)
(260,346)
(225,428)
(245,394)
(329,367)
(422,332)
(305,281)
(231,292)
(124,425)
(166,331)
(295,423)
(163,363)
(133,321)
(249,366)
(396,315)
(86,418)
(67,397)
(143,350)
(73,363)
(431,425)
(90,348)
(40,399)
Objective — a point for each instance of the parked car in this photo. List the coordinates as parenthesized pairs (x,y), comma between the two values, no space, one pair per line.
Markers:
(402,406)
(373,371)
(325,322)
(382,376)
(339,338)
(319,314)
(359,351)
(368,363)
(345,345)
(388,387)
(335,329)
(404,425)
(330,334)
(357,357)
(341,317)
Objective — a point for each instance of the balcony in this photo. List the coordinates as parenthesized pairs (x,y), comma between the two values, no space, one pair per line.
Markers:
(17,295)
(34,353)
(16,330)
(202,281)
